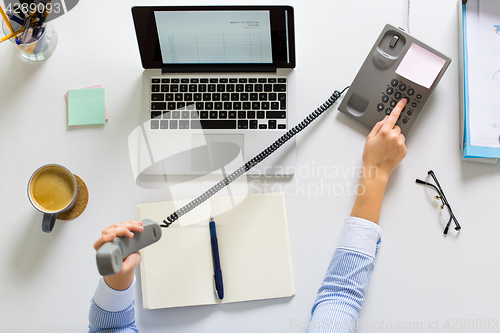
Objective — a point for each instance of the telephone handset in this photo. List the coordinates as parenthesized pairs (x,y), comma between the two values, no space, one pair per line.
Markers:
(398,66)
(110,256)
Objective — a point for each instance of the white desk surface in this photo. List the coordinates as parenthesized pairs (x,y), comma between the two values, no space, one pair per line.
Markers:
(420,276)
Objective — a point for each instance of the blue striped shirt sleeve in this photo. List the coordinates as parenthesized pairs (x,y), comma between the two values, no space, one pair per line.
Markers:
(339,298)
(105,321)
(112,311)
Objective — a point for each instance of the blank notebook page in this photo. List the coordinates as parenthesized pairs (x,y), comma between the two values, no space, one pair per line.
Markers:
(254,251)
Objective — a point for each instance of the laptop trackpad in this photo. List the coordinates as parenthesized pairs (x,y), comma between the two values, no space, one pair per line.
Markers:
(213,151)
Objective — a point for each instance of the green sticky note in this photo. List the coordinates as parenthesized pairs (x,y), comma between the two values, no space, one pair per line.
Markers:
(86,107)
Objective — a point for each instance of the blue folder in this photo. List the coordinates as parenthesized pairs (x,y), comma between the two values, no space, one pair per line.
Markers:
(470,151)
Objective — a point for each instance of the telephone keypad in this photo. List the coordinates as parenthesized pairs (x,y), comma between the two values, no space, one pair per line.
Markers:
(399,90)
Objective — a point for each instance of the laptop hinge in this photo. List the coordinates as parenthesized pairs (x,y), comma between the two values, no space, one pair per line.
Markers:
(219,69)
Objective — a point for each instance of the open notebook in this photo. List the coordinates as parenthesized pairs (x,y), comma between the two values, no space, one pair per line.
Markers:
(254,251)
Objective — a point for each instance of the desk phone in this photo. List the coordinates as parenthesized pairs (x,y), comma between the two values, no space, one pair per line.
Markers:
(398,66)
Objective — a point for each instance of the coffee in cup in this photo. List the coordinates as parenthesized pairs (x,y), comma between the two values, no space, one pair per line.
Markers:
(51,190)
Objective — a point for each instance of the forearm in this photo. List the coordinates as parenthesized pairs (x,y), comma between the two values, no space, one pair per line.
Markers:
(120,281)
(369,199)
(101,320)
(112,309)
(340,297)
(384,149)
(342,293)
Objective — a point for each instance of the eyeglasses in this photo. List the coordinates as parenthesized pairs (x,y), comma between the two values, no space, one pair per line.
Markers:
(441,197)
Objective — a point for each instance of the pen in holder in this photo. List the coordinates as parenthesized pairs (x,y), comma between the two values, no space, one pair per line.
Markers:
(32,46)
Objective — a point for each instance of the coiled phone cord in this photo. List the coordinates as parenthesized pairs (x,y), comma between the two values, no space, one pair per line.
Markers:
(254,161)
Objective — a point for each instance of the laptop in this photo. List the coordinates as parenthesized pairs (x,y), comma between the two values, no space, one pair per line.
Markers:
(218,87)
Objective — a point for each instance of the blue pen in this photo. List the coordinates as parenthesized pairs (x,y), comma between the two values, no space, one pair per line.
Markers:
(215,256)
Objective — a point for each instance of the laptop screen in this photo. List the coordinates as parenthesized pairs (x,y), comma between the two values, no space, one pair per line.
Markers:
(215,38)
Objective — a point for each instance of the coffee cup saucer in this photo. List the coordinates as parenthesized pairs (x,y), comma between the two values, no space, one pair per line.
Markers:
(82,198)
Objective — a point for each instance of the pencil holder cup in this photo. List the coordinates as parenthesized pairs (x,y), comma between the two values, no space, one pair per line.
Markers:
(34,48)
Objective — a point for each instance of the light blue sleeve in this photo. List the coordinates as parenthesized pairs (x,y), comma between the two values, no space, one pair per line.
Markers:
(112,310)
(339,299)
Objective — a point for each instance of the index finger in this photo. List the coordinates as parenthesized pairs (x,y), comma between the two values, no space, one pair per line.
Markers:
(396,112)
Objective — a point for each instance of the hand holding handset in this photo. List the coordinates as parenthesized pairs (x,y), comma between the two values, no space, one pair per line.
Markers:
(110,255)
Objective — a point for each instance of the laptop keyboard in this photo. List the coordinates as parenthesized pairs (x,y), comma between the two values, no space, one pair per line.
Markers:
(218,103)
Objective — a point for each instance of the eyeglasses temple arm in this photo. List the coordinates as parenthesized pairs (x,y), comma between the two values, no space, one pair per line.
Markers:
(418,181)
(457,225)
